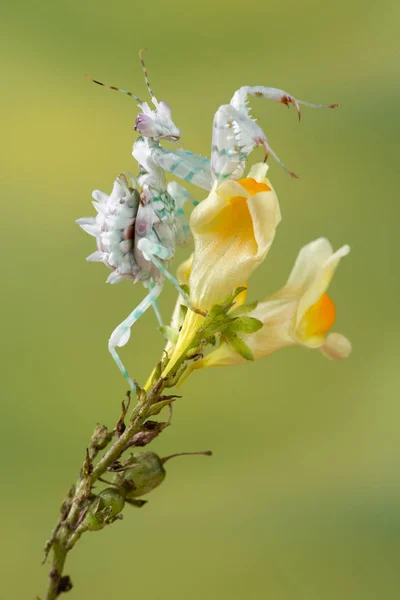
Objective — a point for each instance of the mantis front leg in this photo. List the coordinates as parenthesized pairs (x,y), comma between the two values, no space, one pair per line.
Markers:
(235,135)
(239,98)
(186,165)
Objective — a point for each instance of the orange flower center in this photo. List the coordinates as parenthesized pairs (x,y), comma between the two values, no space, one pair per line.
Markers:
(235,219)
(319,318)
(253,187)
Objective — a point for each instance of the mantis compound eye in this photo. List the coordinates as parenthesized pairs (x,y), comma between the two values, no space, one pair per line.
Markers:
(146,126)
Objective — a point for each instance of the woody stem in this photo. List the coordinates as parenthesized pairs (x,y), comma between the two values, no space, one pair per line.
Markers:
(66,533)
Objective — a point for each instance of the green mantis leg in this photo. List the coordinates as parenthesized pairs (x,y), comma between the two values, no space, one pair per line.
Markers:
(156,307)
(151,251)
(121,334)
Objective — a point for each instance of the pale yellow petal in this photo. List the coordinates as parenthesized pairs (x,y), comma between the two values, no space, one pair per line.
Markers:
(336,347)
(183,271)
(259,172)
(233,229)
(312,273)
(277,318)
(231,239)
(309,261)
(322,279)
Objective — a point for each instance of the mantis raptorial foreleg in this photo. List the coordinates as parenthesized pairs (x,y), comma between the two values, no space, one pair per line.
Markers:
(235,135)
(239,98)
(186,165)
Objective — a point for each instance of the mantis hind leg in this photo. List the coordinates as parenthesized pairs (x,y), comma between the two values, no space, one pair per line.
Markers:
(121,334)
(156,307)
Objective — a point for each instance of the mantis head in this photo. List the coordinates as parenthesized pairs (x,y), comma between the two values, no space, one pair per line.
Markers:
(157,124)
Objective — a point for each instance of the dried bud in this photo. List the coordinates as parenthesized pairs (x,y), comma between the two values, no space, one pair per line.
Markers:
(150,430)
(101,438)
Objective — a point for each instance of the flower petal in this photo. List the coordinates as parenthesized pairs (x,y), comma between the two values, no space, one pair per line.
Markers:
(322,278)
(309,261)
(336,347)
(232,235)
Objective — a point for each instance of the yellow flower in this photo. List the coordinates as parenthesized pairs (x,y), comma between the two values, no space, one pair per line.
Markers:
(233,230)
(300,313)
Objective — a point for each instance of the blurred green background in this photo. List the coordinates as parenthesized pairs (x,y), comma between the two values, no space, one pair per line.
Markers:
(301,499)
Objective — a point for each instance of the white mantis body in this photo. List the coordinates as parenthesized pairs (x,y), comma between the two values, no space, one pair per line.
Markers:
(137,228)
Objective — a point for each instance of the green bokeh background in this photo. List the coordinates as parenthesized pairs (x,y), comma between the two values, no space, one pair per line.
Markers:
(301,499)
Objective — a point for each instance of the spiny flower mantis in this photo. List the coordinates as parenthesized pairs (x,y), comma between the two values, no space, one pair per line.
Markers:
(139,224)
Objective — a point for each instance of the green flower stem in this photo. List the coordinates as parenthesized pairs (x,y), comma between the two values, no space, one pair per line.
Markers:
(57,567)
(79,502)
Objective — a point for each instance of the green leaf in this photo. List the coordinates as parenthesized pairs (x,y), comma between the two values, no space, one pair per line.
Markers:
(243,309)
(170,334)
(245,325)
(218,325)
(216,311)
(220,309)
(239,346)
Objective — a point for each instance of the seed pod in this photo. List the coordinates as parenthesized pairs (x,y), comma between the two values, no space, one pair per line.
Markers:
(103,509)
(145,473)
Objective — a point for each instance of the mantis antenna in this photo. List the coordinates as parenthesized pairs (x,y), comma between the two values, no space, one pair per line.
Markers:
(116,89)
(146,77)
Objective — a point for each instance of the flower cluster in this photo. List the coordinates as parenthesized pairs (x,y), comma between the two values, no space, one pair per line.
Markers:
(233,230)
